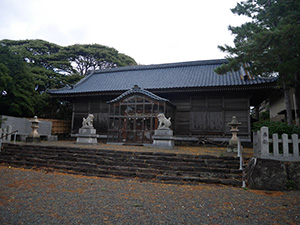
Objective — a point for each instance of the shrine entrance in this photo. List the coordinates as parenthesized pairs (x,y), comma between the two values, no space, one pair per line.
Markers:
(133,116)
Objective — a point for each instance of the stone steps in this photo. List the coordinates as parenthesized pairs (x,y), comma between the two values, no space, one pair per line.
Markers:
(158,167)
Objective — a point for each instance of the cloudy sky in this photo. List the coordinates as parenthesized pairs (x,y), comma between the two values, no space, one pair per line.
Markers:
(152,32)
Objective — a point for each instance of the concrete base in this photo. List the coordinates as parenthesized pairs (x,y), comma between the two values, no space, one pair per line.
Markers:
(52,138)
(86,136)
(87,131)
(163,138)
(86,140)
(33,139)
(232,148)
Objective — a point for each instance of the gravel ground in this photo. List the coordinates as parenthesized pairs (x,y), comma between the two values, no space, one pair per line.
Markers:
(37,197)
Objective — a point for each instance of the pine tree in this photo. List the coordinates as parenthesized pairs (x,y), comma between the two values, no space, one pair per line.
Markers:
(270,42)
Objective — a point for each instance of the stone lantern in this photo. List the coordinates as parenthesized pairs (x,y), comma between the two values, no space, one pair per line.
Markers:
(34,135)
(233,143)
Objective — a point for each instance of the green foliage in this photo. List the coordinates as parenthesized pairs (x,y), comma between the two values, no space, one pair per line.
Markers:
(95,57)
(264,115)
(44,62)
(137,205)
(30,67)
(5,79)
(276,128)
(269,43)
(54,66)
(40,53)
(18,85)
(290,185)
(47,107)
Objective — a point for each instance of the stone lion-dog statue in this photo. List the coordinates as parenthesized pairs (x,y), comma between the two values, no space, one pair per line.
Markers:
(88,122)
(163,121)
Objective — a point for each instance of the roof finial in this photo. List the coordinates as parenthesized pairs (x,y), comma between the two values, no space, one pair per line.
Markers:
(135,87)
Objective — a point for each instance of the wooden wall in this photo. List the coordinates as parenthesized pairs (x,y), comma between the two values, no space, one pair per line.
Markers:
(195,114)
(96,106)
(209,115)
(59,126)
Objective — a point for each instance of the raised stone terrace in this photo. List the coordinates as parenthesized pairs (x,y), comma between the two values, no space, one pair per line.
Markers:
(182,165)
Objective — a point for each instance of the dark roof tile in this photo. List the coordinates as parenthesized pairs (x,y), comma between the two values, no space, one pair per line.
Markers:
(198,74)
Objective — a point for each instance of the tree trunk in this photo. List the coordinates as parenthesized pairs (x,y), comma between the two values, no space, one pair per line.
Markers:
(288,106)
(297,93)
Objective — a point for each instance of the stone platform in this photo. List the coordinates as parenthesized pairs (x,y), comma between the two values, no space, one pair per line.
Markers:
(163,138)
(86,136)
(155,166)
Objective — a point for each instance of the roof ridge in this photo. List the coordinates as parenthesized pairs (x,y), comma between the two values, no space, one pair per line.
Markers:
(162,66)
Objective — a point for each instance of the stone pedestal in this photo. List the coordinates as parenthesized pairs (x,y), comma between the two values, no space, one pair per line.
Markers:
(86,135)
(163,138)
(233,142)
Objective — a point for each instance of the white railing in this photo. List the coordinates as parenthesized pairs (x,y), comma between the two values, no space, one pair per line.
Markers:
(5,135)
(283,149)
(242,163)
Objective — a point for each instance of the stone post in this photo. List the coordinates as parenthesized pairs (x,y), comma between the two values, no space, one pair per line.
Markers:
(264,142)
(256,144)
(1,139)
(9,131)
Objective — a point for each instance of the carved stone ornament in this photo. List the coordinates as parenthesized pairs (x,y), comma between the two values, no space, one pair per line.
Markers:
(88,122)
(164,123)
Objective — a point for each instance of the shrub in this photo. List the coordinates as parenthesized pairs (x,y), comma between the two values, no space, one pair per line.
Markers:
(264,115)
(277,128)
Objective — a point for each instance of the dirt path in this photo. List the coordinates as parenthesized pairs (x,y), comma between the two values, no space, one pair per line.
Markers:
(36,197)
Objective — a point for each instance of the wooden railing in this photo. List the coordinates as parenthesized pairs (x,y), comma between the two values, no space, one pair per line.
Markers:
(59,126)
(283,149)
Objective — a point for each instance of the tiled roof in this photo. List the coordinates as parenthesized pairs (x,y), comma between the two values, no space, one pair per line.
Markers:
(196,74)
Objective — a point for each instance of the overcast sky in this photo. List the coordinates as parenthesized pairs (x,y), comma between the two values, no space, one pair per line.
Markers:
(152,32)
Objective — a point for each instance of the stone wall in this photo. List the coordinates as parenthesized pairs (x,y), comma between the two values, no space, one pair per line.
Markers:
(23,125)
(268,174)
